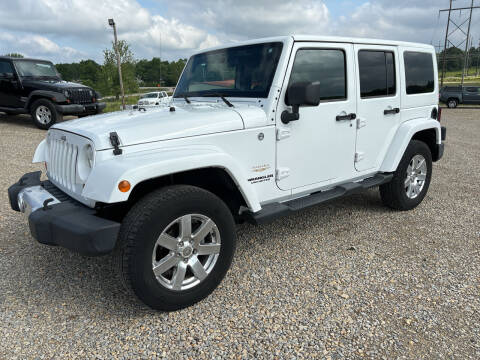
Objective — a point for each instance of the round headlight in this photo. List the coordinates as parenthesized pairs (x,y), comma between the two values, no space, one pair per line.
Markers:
(66,93)
(86,159)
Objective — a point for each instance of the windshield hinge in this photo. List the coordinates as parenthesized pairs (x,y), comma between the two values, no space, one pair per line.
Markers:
(115,141)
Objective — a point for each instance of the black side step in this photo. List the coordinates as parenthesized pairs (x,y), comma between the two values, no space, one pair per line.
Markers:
(274,210)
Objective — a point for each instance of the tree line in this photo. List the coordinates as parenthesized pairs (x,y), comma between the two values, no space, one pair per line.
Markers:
(135,73)
(455,59)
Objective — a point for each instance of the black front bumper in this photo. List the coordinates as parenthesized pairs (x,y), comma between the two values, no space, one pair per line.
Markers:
(76,109)
(68,224)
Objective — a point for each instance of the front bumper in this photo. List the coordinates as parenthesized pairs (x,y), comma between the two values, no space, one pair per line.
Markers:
(76,109)
(56,219)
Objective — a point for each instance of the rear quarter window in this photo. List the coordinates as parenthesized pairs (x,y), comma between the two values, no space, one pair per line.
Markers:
(419,73)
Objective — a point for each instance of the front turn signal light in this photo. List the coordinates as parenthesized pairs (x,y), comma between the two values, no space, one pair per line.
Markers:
(124,186)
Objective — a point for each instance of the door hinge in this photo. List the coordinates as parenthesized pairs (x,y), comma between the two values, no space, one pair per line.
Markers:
(359,156)
(283,134)
(361,123)
(282,173)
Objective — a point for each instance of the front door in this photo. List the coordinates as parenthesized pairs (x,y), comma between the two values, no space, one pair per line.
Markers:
(378,103)
(318,148)
(471,95)
(9,93)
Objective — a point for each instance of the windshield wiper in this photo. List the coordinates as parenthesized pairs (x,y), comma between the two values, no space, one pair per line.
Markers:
(187,99)
(229,104)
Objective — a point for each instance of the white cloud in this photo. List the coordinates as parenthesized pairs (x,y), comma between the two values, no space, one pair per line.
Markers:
(76,29)
(37,46)
(84,23)
(252,18)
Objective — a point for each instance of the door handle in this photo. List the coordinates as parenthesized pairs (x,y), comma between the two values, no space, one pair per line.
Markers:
(351,116)
(391,111)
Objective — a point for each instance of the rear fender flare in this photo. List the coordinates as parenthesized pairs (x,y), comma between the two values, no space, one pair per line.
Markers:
(402,138)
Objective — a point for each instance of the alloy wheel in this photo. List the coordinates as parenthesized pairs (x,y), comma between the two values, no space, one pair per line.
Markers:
(186,252)
(416,175)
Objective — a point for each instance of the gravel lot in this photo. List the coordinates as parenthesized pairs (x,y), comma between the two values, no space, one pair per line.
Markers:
(348,279)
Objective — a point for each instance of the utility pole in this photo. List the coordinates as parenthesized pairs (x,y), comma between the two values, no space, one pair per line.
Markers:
(457,27)
(445,45)
(119,63)
(478,59)
(465,63)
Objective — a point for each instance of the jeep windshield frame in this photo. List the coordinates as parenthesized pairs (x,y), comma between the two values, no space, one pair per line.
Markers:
(27,68)
(245,71)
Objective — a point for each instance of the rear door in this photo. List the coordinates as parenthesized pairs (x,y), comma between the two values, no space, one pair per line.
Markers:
(378,103)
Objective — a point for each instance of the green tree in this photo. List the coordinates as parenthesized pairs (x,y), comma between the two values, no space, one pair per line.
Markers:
(15,55)
(110,82)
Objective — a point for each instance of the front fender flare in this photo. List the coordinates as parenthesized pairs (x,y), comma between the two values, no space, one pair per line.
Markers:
(59,97)
(402,138)
(102,184)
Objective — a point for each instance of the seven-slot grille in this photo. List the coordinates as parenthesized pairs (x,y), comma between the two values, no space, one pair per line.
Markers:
(80,96)
(62,163)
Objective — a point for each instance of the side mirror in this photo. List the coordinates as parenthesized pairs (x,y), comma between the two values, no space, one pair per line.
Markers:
(300,94)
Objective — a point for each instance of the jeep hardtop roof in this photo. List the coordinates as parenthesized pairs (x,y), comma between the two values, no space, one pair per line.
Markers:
(28,59)
(314,38)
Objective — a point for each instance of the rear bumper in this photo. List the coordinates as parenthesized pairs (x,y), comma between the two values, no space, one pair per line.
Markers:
(439,148)
(62,221)
(76,109)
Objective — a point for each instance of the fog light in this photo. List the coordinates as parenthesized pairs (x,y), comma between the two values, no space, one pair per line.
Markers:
(124,186)
(22,206)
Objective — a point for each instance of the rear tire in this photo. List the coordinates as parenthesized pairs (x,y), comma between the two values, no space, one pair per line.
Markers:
(452,103)
(44,113)
(169,265)
(411,180)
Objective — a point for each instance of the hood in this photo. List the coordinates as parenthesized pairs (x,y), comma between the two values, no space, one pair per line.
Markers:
(51,84)
(136,127)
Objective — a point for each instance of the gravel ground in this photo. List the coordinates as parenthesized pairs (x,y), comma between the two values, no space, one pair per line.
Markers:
(349,279)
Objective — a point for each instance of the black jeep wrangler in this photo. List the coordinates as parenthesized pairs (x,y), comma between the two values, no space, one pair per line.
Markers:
(35,87)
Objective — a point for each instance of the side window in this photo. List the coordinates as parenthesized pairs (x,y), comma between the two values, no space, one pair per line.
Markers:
(377,73)
(419,74)
(324,65)
(6,68)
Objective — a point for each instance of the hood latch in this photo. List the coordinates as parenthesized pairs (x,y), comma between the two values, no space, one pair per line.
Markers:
(115,141)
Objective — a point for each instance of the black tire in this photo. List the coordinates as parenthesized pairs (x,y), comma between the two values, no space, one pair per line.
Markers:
(45,122)
(144,223)
(394,194)
(452,103)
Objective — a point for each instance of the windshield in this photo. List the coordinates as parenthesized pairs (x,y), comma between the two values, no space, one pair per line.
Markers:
(149,96)
(35,68)
(243,71)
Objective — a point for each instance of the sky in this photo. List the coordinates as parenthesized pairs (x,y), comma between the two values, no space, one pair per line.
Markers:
(72,30)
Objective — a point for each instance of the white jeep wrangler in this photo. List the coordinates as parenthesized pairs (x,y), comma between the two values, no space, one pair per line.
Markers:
(255,131)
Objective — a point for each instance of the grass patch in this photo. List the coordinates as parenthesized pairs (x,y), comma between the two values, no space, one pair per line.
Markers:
(116,105)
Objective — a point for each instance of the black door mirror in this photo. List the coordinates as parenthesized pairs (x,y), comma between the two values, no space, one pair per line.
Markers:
(300,94)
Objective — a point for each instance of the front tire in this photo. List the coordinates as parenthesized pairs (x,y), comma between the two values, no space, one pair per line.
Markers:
(175,246)
(44,113)
(411,180)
